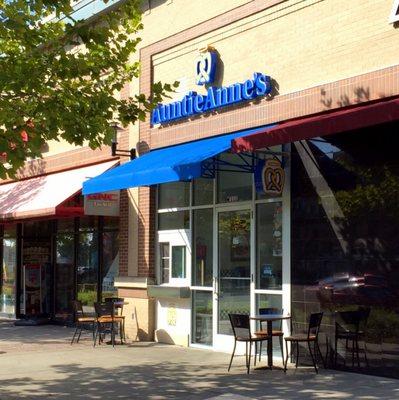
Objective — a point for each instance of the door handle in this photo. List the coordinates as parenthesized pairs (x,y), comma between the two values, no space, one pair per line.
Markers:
(215,288)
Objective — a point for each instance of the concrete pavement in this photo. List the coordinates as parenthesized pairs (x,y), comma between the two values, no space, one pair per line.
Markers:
(38,362)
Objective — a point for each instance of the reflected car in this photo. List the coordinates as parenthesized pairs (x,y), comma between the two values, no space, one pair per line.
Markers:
(366,289)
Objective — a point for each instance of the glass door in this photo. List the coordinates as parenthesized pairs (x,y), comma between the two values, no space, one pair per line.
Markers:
(232,286)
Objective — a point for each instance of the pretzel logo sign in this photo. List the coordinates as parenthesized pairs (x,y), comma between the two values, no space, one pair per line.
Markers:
(205,66)
(273,177)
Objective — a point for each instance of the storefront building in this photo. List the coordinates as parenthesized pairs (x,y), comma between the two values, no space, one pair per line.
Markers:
(270,179)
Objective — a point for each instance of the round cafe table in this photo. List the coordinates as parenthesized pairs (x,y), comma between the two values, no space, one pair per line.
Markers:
(270,318)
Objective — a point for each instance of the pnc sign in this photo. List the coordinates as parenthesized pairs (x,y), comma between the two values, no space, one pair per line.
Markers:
(194,103)
(106,204)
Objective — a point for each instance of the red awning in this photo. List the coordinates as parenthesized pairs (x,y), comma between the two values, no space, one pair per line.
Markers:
(42,196)
(328,123)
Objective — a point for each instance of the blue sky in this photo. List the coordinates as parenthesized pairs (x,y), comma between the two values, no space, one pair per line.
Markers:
(86,8)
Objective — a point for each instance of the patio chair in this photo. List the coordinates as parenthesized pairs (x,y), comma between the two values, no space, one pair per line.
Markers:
(240,324)
(275,332)
(107,322)
(118,310)
(312,336)
(82,322)
(352,328)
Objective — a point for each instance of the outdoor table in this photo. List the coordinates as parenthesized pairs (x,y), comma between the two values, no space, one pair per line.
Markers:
(270,318)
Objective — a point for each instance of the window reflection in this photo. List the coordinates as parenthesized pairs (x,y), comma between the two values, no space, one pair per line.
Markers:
(87,269)
(233,184)
(8,273)
(345,215)
(202,247)
(269,246)
(110,263)
(64,275)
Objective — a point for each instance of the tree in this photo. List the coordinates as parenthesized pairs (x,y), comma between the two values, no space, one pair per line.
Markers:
(59,76)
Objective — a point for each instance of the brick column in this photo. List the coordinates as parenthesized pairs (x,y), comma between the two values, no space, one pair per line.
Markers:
(146,232)
(123,143)
(123,233)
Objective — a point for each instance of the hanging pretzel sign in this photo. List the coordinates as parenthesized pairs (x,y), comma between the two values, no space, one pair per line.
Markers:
(273,177)
(269,177)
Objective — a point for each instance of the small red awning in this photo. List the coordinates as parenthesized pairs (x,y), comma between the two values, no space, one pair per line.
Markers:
(41,196)
(328,123)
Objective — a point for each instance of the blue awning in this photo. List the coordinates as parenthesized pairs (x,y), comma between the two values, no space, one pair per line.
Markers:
(176,163)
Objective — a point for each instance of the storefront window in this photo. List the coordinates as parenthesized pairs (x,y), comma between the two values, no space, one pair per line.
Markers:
(36,229)
(88,223)
(202,247)
(110,263)
(345,254)
(269,246)
(87,269)
(202,192)
(174,194)
(37,268)
(164,261)
(8,273)
(179,262)
(202,317)
(66,225)
(232,184)
(111,223)
(174,220)
(64,274)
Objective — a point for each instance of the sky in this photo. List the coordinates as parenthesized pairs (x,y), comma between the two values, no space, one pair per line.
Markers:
(86,8)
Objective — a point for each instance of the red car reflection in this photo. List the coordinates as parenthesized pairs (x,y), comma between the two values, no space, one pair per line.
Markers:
(367,289)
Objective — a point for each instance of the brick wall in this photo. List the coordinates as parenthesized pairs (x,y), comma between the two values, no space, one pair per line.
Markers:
(146,232)
(124,220)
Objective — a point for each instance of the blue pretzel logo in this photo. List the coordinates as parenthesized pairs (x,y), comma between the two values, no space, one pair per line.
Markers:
(205,67)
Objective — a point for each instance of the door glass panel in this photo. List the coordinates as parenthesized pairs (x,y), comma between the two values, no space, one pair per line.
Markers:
(269,246)
(202,247)
(178,261)
(270,301)
(64,275)
(110,264)
(202,317)
(87,271)
(7,295)
(36,275)
(234,266)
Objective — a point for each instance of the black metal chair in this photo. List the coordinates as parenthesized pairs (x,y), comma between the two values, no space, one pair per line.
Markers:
(351,328)
(107,322)
(310,337)
(118,310)
(82,321)
(241,326)
(276,332)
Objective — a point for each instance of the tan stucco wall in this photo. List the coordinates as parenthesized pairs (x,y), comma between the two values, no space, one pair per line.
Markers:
(139,319)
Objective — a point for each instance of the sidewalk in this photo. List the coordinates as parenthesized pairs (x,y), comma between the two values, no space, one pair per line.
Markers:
(48,367)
